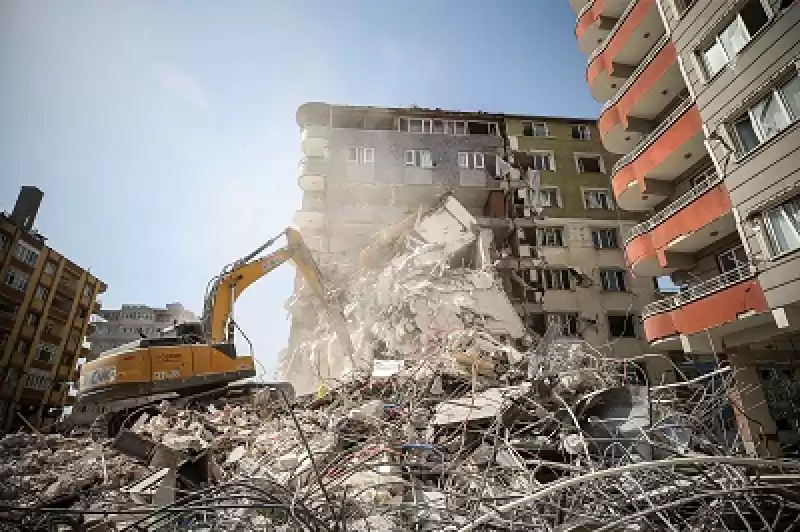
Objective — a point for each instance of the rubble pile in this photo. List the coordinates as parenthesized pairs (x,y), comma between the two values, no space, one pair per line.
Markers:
(448,417)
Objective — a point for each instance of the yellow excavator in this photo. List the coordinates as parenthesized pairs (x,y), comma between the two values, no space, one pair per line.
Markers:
(193,359)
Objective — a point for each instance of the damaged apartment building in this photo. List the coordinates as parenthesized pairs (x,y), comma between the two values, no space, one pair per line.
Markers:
(702,103)
(46,302)
(559,255)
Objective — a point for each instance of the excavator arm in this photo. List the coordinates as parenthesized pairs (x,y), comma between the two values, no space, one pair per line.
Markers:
(228,286)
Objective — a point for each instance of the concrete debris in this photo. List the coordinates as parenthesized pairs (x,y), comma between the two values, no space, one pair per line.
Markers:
(451,418)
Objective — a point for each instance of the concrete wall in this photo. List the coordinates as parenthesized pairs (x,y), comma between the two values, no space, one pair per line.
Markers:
(755,178)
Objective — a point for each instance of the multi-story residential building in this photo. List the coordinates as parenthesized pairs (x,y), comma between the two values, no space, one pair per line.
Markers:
(702,100)
(46,302)
(128,323)
(367,167)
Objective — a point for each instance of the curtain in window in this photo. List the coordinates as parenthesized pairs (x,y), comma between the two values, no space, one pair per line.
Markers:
(770,116)
(791,94)
(784,226)
(426,161)
(734,37)
(746,135)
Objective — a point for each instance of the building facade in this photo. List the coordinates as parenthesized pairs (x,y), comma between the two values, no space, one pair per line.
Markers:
(126,324)
(702,103)
(46,302)
(366,168)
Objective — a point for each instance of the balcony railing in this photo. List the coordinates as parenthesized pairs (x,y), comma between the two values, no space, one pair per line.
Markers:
(651,137)
(708,180)
(584,9)
(622,18)
(654,51)
(700,290)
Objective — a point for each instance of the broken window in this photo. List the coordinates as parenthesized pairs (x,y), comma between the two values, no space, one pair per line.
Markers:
(566,322)
(419,158)
(589,164)
(581,132)
(613,280)
(607,238)
(550,236)
(534,129)
(597,199)
(542,161)
(478,128)
(621,326)
(557,279)
(16,279)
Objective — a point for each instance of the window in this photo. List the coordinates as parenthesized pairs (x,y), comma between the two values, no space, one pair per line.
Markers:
(420,158)
(732,259)
(87,290)
(26,253)
(605,238)
(769,116)
(40,293)
(542,161)
(37,379)
(360,155)
(31,319)
(620,326)
(534,129)
(597,199)
(46,352)
(11,377)
(49,268)
(16,279)
(567,322)
(453,127)
(782,226)
(4,239)
(474,160)
(682,6)
(550,236)
(420,125)
(728,43)
(613,280)
(557,279)
(589,164)
(22,347)
(581,132)
(548,197)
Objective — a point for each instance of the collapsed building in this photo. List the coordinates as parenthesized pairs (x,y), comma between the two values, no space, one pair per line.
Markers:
(450,415)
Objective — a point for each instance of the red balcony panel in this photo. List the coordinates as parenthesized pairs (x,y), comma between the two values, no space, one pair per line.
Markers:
(618,113)
(603,61)
(670,140)
(639,248)
(659,326)
(590,17)
(710,206)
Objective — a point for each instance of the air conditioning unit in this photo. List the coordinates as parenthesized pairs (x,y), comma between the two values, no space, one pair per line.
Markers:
(524,250)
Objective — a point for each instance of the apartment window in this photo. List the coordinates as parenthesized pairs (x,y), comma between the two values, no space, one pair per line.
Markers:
(732,259)
(37,379)
(585,164)
(543,161)
(49,268)
(455,127)
(4,239)
(607,238)
(769,116)
(566,322)
(420,158)
(548,197)
(581,132)
(420,125)
(40,293)
(16,279)
(597,199)
(782,226)
(46,352)
(474,160)
(26,253)
(22,347)
(682,6)
(621,326)
(613,280)
(550,236)
(534,129)
(728,43)
(360,155)
(87,290)
(557,279)
(31,319)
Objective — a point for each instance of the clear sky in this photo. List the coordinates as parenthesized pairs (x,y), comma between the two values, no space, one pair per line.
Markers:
(163,134)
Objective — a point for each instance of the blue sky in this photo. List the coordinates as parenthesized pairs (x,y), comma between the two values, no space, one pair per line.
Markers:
(163,134)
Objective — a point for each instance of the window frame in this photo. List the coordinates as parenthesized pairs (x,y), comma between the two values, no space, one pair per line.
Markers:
(416,158)
(585,132)
(14,274)
(717,40)
(532,124)
(775,93)
(609,199)
(26,253)
(730,253)
(769,230)
(551,189)
(601,164)
(548,274)
(541,232)
(604,231)
(566,320)
(618,273)
(627,317)
(361,155)
(551,158)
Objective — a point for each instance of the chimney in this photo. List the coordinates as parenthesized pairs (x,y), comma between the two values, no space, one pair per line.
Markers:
(27,206)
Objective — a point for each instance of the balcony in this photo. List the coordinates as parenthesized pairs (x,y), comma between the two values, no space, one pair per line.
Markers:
(69,289)
(59,313)
(642,178)
(626,45)
(312,173)
(309,220)
(96,306)
(725,299)
(578,5)
(630,114)
(596,20)
(665,241)
(314,141)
